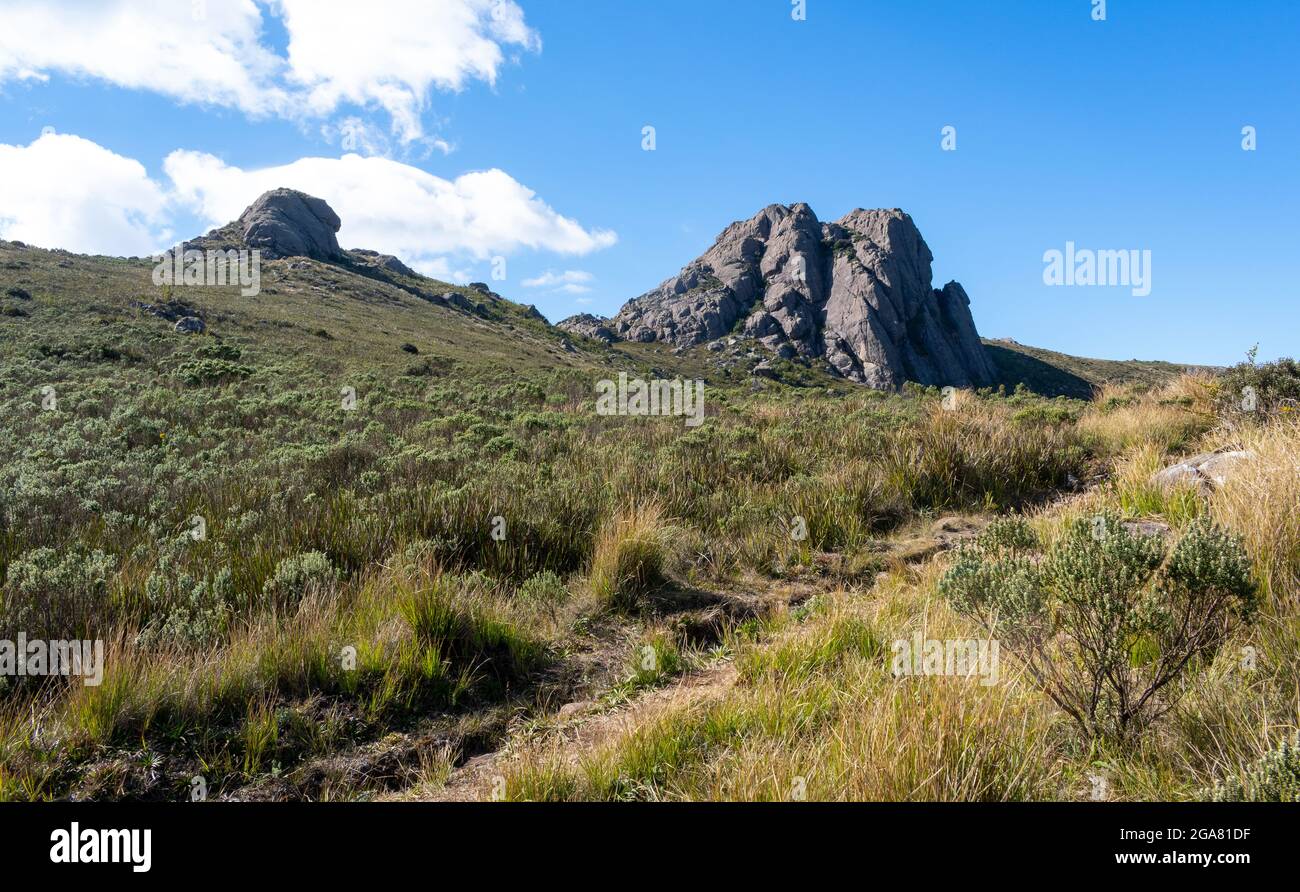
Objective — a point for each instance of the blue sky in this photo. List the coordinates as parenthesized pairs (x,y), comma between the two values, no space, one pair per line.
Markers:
(1115,134)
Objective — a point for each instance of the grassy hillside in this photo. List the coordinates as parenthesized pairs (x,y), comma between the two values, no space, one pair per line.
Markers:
(303,600)
(1058,374)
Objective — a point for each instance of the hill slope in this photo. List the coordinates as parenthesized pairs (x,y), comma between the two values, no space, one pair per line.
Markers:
(305,596)
(1058,374)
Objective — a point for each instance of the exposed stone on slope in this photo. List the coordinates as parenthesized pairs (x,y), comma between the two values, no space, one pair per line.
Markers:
(172,311)
(190,325)
(1206,471)
(382,261)
(285,223)
(856,292)
(288,223)
(588,326)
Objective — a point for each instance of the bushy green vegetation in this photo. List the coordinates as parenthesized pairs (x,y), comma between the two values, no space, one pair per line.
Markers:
(1259,390)
(1274,778)
(193,489)
(1103,619)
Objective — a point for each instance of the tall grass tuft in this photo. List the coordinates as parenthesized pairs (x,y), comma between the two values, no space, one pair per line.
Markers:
(1260,501)
(633,555)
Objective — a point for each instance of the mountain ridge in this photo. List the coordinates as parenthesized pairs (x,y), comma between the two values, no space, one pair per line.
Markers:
(365,305)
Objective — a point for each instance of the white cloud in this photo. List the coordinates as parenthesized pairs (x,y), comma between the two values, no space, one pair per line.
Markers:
(441,268)
(63,191)
(573,281)
(394,207)
(156,45)
(67,192)
(387,54)
(392,56)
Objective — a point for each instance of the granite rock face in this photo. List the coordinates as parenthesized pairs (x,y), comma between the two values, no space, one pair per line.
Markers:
(588,326)
(288,223)
(382,261)
(856,292)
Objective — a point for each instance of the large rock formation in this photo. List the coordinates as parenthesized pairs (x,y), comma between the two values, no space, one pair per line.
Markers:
(287,223)
(588,326)
(856,292)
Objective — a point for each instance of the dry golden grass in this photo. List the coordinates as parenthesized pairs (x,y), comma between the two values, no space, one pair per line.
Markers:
(818,714)
(633,553)
(1169,426)
(1261,503)
(1198,391)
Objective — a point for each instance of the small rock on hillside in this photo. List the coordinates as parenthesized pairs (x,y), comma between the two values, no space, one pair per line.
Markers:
(588,326)
(1206,471)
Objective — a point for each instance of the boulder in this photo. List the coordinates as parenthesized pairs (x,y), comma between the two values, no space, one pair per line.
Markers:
(459,301)
(288,223)
(588,326)
(191,325)
(1206,471)
(172,310)
(383,261)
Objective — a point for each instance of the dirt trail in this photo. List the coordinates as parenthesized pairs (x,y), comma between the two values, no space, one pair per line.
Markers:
(581,727)
(577,731)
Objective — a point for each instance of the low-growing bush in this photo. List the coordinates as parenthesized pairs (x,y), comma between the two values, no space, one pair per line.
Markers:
(545,591)
(1249,389)
(1104,620)
(207,372)
(53,593)
(296,576)
(1274,778)
(186,608)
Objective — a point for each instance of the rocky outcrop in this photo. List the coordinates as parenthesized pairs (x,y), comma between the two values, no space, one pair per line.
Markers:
(287,223)
(588,326)
(191,325)
(172,310)
(382,261)
(856,293)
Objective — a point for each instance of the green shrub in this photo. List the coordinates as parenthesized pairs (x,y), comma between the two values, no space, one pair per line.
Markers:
(1274,778)
(996,578)
(205,372)
(53,594)
(1269,388)
(185,608)
(221,350)
(544,590)
(1104,621)
(296,576)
